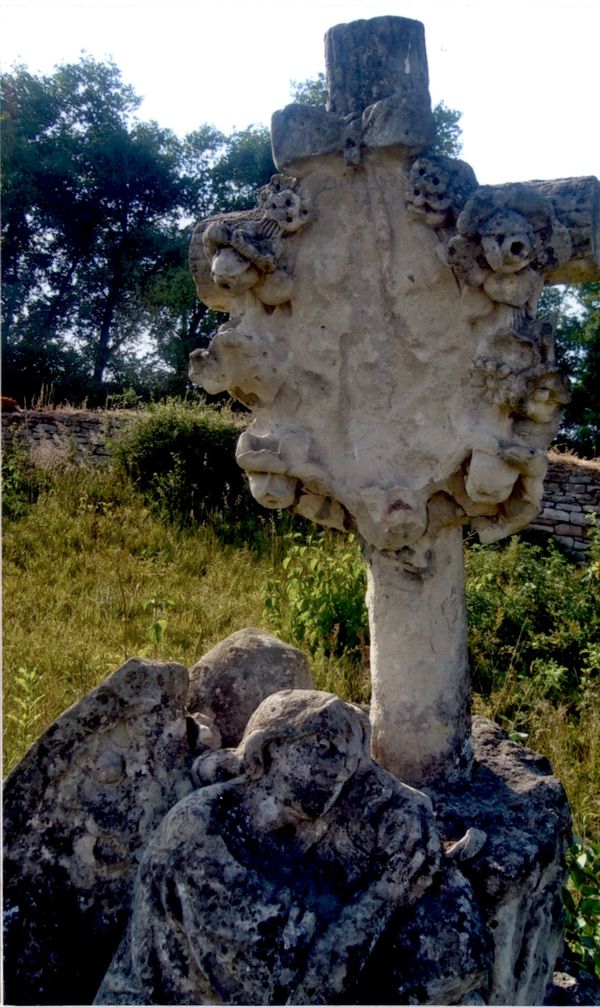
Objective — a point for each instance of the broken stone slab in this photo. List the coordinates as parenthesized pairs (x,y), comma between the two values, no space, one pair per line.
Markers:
(81,804)
(229,682)
(78,810)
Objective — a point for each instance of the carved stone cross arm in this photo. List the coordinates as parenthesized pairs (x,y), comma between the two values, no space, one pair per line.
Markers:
(383,331)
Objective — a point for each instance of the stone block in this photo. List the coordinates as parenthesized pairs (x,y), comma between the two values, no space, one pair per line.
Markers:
(554,514)
(566,540)
(569,529)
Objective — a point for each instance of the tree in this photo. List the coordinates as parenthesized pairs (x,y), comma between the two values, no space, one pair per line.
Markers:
(577,311)
(447,131)
(243,166)
(98,209)
(239,165)
(97,212)
(312,91)
(87,194)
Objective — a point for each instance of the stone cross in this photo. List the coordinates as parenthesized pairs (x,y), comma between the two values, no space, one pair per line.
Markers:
(383,332)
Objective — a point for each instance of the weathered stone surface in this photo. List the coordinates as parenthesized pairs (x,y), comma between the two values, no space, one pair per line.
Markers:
(274,886)
(406,385)
(78,811)
(233,678)
(427,736)
(518,873)
(308,874)
(576,203)
(300,871)
(378,96)
(437,951)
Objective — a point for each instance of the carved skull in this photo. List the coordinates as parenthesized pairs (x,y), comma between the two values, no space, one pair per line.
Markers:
(282,203)
(429,197)
(507,242)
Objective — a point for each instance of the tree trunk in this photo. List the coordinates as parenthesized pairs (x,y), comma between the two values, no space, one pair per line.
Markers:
(102,353)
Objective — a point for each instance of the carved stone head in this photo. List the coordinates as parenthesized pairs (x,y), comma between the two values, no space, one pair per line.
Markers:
(309,744)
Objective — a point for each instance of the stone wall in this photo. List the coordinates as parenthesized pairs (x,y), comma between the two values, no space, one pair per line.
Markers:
(571,495)
(571,489)
(73,434)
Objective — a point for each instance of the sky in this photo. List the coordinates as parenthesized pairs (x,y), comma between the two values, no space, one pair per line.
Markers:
(525,74)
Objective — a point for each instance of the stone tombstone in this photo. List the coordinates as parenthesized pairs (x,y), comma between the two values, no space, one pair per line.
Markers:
(77,812)
(303,872)
(383,332)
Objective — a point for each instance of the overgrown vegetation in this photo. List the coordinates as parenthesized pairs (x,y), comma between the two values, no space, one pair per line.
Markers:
(163,553)
(182,459)
(317,598)
(582,905)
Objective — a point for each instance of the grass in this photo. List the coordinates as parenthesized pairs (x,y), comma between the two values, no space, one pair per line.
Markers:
(80,569)
(94,575)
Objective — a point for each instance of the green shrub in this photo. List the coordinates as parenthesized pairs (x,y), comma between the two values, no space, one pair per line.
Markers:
(582,905)
(22,483)
(317,600)
(534,621)
(182,458)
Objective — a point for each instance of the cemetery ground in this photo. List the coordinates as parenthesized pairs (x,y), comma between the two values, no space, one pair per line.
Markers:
(105,562)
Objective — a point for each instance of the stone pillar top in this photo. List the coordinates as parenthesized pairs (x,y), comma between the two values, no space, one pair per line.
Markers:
(368,61)
(378,96)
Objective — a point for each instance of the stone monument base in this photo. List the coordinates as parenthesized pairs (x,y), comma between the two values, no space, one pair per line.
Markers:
(479,922)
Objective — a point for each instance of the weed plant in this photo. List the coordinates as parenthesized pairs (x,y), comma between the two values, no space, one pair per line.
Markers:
(22,482)
(317,600)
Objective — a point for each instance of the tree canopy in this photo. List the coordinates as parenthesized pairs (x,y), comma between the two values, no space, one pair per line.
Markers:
(577,312)
(97,208)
